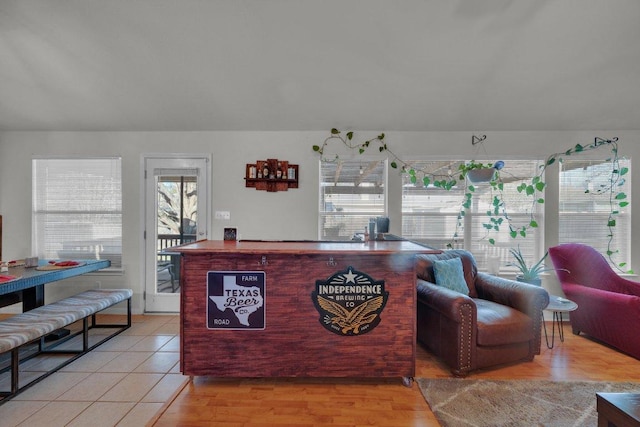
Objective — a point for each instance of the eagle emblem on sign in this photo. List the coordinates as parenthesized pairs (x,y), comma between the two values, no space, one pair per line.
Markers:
(349,302)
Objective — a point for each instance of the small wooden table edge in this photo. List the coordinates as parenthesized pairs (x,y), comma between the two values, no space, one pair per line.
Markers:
(618,409)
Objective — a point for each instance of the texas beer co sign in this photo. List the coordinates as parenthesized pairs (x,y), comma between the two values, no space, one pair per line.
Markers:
(236,299)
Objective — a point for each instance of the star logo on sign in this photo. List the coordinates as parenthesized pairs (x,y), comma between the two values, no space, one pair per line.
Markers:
(350,277)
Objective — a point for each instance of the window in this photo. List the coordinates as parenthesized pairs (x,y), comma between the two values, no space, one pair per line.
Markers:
(431,215)
(77,209)
(351,192)
(584,206)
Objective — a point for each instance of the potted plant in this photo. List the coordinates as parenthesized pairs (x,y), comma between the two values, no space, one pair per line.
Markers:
(528,273)
(480,172)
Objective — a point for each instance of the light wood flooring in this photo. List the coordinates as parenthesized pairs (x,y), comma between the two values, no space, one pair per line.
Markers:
(374,402)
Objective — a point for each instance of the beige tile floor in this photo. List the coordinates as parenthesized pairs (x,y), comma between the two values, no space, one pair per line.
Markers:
(126,381)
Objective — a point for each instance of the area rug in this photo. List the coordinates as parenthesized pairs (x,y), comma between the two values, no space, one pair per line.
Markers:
(494,403)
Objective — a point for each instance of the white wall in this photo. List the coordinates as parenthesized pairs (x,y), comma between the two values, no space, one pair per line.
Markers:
(256,214)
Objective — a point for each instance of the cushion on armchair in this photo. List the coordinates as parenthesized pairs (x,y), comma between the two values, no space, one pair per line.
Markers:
(501,325)
(449,274)
(424,267)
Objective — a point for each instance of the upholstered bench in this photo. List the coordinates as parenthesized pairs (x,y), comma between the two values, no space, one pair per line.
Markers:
(33,326)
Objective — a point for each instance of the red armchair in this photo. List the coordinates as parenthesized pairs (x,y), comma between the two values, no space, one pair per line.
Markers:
(608,305)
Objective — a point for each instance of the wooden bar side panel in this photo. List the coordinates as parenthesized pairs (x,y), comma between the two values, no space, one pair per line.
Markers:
(294,343)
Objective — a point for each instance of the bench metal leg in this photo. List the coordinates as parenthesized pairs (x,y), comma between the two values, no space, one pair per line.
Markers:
(85,335)
(129,313)
(15,369)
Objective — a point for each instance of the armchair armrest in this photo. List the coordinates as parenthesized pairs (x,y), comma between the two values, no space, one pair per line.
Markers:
(529,299)
(607,316)
(443,300)
(615,301)
(447,325)
(627,286)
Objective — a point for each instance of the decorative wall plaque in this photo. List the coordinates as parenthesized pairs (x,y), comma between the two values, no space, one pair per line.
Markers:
(235,300)
(349,302)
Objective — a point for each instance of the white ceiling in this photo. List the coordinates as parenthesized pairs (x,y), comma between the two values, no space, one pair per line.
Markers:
(414,65)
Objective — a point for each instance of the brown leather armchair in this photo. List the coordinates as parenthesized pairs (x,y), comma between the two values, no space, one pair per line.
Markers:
(499,322)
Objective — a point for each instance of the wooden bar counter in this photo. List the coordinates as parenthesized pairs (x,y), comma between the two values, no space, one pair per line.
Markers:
(298,308)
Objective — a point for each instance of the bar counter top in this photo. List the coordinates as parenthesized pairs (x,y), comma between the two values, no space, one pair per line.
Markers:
(300,246)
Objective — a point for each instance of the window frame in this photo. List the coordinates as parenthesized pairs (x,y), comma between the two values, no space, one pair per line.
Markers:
(363,165)
(470,233)
(98,209)
(598,236)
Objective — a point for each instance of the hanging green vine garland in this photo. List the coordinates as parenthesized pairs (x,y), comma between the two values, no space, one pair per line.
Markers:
(346,140)
(617,198)
(498,215)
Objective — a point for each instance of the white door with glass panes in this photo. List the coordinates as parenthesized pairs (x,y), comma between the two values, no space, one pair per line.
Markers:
(176,212)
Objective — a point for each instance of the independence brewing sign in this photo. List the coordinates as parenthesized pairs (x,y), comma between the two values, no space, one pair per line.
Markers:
(235,300)
(349,302)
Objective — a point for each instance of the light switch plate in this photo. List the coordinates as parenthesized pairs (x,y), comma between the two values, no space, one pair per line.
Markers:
(223,215)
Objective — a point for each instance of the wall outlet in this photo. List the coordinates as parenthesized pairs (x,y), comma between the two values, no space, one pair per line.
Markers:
(223,215)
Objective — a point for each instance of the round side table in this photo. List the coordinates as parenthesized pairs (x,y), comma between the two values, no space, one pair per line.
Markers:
(558,306)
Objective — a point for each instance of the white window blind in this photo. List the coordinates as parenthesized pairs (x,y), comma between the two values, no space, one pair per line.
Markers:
(351,192)
(430,214)
(77,209)
(585,207)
